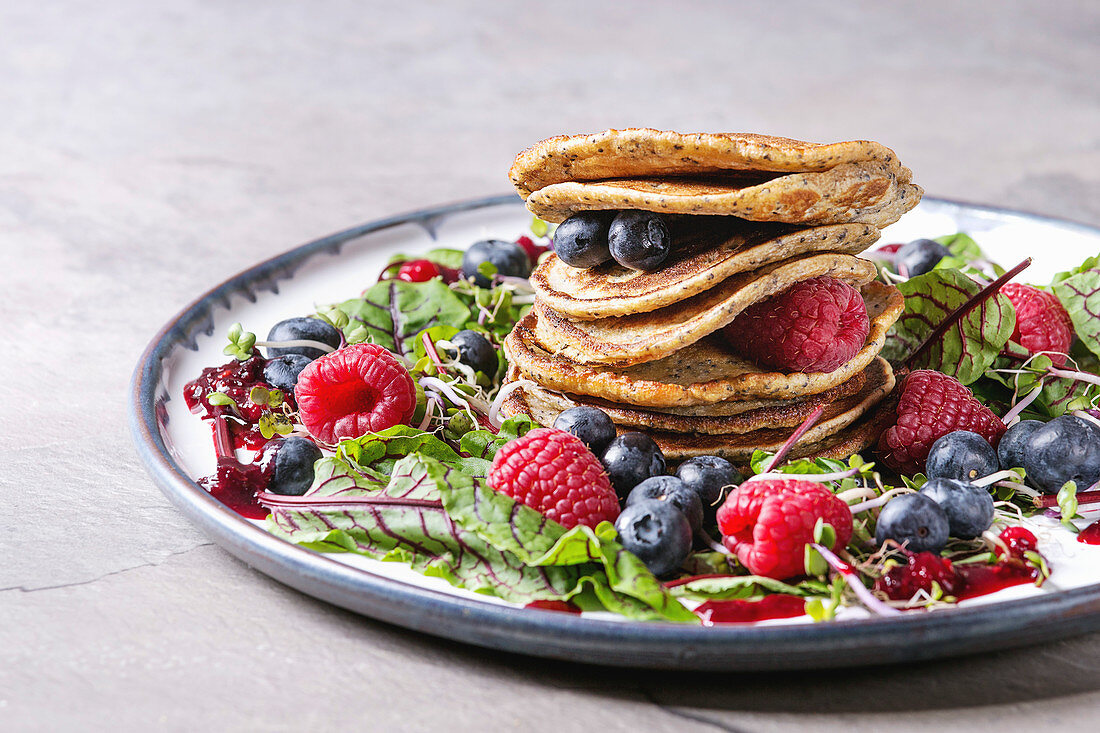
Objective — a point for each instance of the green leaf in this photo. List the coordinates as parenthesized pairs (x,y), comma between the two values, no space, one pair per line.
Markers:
(446,256)
(377,453)
(539,227)
(392,313)
(970,346)
(1067,504)
(1080,296)
(1090,263)
(611,572)
(221,399)
(484,444)
(416,532)
(272,424)
(260,395)
(240,343)
(737,587)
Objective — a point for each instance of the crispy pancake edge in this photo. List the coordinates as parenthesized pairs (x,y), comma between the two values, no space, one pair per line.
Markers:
(597,293)
(885,306)
(635,152)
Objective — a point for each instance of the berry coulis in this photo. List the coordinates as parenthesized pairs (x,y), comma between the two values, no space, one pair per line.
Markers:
(747,612)
(963,581)
(234,483)
(1090,535)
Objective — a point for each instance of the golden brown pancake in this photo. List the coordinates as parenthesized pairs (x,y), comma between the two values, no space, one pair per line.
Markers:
(878,380)
(642,337)
(707,371)
(866,192)
(648,153)
(706,251)
(839,426)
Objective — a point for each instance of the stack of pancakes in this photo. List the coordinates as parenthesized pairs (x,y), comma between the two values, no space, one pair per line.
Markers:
(749,216)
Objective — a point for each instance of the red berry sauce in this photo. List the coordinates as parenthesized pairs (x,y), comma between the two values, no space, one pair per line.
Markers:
(235,379)
(1090,535)
(560,606)
(235,484)
(969,580)
(747,612)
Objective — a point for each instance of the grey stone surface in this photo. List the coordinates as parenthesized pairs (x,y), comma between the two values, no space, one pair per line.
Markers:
(149,150)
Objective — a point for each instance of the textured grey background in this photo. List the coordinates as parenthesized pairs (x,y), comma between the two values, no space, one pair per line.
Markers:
(149,150)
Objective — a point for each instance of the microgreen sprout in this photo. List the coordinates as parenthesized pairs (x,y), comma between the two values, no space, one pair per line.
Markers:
(241,343)
(221,399)
(851,577)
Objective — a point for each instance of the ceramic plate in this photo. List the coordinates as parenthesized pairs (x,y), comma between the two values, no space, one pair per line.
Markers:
(176,448)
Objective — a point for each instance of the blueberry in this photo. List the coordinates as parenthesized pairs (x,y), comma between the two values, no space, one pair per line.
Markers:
(282,371)
(707,476)
(919,257)
(1065,449)
(969,509)
(475,351)
(581,240)
(302,329)
(962,455)
(507,257)
(294,459)
(915,520)
(657,532)
(672,489)
(630,459)
(590,424)
(1013,445)
(639,240)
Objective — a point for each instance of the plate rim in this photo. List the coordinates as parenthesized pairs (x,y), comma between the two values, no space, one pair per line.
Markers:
(551,634)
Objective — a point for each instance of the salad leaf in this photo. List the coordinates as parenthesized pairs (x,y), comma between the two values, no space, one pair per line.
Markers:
(969,347)
(484,444)
(393,312)
(1080,295)
(611,570)
(376,453)
(448,524)
(418,531)
(1090,263)
(736,587)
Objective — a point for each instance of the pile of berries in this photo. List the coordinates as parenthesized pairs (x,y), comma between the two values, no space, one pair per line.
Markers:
(639,240)
(581,472)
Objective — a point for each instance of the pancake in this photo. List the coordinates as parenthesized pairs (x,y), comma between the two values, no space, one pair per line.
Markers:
(866,192)
(642,337)
(706,251)
(877,379)
(838,429)
(849,440)
(705,372)
(645,153)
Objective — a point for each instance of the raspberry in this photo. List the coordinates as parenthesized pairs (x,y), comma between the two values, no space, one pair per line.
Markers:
(902,582)
(352,391)
(1042,324)
(418,271)
(534,251)
(815,325)
(553,472)
(932,405)
(768,523)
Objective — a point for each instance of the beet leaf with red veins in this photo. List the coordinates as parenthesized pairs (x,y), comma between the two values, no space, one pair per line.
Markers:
(392,313)
(1080,295)
(970,346)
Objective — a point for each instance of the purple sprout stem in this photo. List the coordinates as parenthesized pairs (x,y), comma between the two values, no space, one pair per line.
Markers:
(802,430)
(1013,415)
(850,576)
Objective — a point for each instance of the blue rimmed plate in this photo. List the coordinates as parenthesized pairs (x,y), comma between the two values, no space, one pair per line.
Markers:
(176,448)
